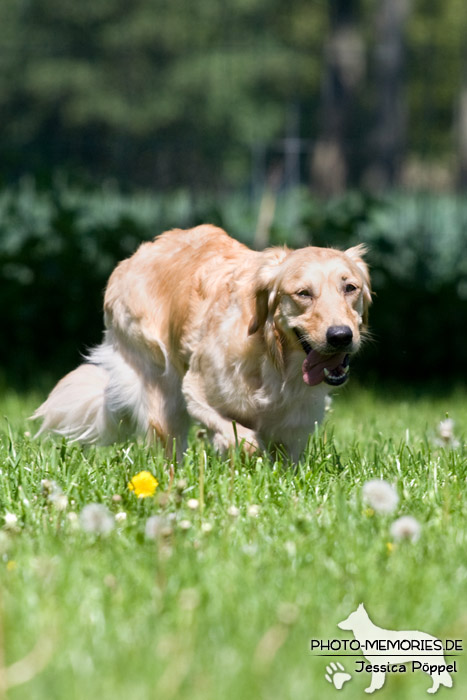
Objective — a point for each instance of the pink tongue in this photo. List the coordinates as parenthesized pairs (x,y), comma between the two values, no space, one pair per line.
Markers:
(314,365)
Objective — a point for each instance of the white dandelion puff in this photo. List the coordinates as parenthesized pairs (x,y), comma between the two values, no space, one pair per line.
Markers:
(157,526)
(193,503)
(406,528)
(73,520)
(11,520)
(446,433)
(58,500)
(120,517)
(233,511)
(253,510)
(184,525)
(380,496)
(96,519)
(54,494)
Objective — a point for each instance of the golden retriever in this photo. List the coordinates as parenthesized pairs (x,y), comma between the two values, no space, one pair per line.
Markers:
(199,326)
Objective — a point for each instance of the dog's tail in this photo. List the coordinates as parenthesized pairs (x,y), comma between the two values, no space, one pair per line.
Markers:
(76,406)
(101,401)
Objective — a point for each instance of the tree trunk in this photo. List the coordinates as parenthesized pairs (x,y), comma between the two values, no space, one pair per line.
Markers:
(343,70)
(387,141)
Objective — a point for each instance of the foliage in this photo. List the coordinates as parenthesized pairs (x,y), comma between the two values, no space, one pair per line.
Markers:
(224,601)
(58,247)
(181,93)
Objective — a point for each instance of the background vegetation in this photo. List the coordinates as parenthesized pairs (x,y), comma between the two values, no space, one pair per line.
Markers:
(285,121)
(227,94)
(59,245)
(223,599)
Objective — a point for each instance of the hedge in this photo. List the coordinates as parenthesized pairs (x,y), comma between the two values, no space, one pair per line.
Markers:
(59,245)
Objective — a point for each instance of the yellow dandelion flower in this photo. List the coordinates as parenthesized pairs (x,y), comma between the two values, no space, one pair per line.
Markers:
(11,565)
(390,546)
(143,484)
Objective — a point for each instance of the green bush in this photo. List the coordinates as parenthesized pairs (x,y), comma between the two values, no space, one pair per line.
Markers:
(58,247)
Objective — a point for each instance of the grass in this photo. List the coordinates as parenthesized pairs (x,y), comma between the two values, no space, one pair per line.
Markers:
(225,608)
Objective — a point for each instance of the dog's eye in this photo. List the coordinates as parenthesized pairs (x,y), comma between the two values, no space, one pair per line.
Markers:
(349,288)
(304,293)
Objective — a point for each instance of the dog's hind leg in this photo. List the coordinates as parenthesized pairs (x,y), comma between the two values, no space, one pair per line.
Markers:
(168,419)
(377,681)
(438,679)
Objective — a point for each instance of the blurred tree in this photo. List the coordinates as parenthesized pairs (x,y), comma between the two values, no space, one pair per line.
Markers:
(387,140)
(155,91)
(183,93)
(343,71)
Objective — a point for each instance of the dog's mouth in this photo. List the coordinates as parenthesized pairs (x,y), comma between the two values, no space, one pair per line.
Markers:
(317,368)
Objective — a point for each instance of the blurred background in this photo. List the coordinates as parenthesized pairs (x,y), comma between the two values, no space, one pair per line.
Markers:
(285,121)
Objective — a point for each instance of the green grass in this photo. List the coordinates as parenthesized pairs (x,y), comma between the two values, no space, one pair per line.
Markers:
(229,613)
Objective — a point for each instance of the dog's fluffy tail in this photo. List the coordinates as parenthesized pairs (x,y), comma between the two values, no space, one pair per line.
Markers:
(76,406)
(101,401)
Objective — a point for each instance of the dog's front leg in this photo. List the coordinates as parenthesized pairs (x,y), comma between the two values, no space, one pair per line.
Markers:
(224,433)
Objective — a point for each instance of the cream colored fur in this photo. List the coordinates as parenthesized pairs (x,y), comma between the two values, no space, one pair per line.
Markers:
(201,327)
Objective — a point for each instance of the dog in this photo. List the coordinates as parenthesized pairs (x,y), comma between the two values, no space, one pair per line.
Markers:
(199,326)
(369,635)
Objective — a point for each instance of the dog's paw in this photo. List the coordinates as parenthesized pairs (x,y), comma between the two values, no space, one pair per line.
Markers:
(246,439)
(337,675)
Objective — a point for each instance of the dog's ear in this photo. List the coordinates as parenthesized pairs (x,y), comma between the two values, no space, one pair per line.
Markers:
(265,287)
(356,254)
(264,301)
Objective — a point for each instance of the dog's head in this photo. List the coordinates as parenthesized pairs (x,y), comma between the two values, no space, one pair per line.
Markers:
(356,619)
(312,305)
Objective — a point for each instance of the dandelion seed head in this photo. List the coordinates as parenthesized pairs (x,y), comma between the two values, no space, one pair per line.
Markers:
(380,495)
(120,517)
(206,527)
(96,519)
(406,528)
(73,520)
(11,520)
(181,485)
(156,526)
(184,525)
(253,510)
(446,433)
(233,511)
(193,503)
(58,500)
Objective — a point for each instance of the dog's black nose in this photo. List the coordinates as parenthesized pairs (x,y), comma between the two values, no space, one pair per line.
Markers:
(339,336)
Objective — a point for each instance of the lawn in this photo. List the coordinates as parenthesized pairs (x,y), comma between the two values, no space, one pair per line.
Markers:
(249,560)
